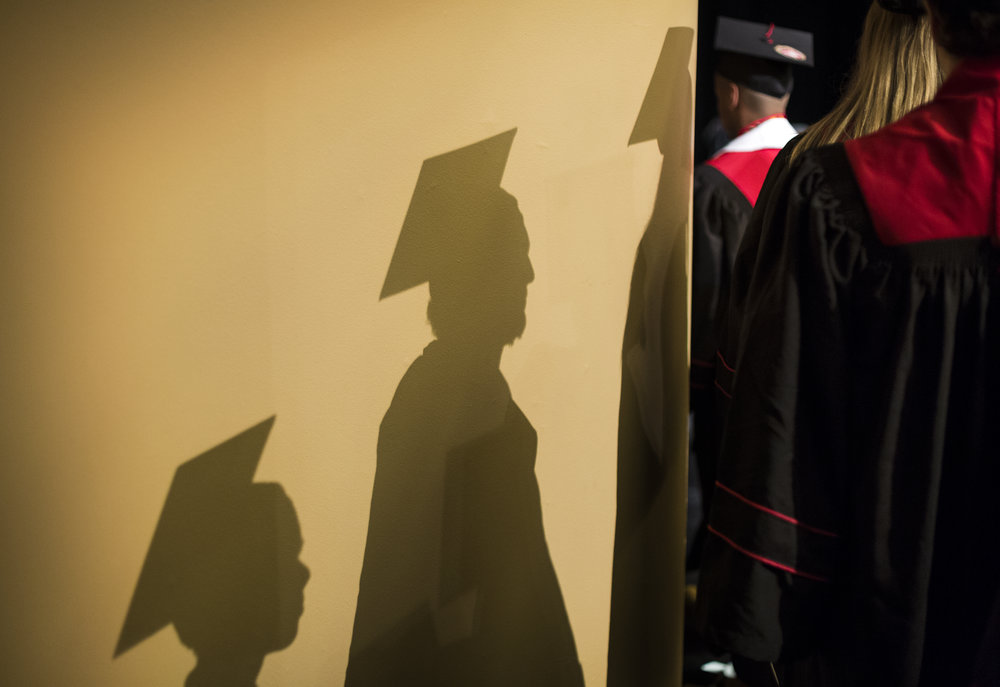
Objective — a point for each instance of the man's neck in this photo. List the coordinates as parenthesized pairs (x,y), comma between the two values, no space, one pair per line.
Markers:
(751,120)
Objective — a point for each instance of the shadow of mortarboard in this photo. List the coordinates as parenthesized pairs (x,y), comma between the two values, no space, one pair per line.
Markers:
(223,563)
(662,111)
(450,213)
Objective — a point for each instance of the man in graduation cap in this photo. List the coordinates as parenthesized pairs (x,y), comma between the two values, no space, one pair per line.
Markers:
(854,530)
(753,83)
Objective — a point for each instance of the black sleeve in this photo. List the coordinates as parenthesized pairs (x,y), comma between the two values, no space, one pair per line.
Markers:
(720,214)
(771,562)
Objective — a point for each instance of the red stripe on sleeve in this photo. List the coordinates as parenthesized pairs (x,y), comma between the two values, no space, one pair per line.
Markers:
(767,561)
(782,516)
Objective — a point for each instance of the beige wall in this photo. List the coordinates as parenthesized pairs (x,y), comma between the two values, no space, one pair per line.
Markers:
(199,204)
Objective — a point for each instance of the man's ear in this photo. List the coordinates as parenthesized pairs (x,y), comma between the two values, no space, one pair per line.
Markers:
(732,94)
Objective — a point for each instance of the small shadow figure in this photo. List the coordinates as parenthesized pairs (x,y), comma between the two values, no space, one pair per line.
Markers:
(223,566)
(457,587)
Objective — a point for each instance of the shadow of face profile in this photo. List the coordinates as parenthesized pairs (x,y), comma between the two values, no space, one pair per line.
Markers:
(242,596)
(480,294)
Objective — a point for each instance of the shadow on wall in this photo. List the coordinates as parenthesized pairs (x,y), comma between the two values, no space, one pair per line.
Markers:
(457,587)
(648,577)
(223,566)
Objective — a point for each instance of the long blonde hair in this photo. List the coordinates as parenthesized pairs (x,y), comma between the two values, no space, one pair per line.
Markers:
(896,70)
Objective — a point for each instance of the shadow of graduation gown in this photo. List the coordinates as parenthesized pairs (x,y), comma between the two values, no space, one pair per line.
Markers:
(457,586)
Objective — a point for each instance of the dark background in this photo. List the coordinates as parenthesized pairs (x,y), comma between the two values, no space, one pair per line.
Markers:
(836,27)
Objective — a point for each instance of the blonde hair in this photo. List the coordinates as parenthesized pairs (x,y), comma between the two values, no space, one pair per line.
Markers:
(896,70)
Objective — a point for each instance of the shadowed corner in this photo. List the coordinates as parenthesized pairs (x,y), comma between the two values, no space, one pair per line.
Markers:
(457,586)
(223,565)
(648,570)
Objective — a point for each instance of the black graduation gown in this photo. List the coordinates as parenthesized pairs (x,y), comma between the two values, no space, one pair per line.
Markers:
(854,528)
(742,272)
(721,213)
(724,192)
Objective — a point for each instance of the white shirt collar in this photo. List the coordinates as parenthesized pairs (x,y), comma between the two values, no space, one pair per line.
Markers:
(770,134)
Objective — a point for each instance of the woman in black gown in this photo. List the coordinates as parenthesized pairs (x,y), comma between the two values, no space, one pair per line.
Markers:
(852,539)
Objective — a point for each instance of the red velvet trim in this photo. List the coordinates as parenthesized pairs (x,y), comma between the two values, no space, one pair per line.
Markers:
(782,516)
(746,170)
(724,392)
(724,363)
(933,174)
(766,561)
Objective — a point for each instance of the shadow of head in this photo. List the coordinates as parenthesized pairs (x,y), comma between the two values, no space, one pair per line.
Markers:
(480,291)
(465,236)
(239,591)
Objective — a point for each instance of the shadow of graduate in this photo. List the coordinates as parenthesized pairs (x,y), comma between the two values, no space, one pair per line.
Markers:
(223,566)
(648,572)
(457,587)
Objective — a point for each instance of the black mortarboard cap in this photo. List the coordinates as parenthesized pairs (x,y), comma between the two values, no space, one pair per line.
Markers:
(915,7)
(200,487)
(760,56)
(450,193)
